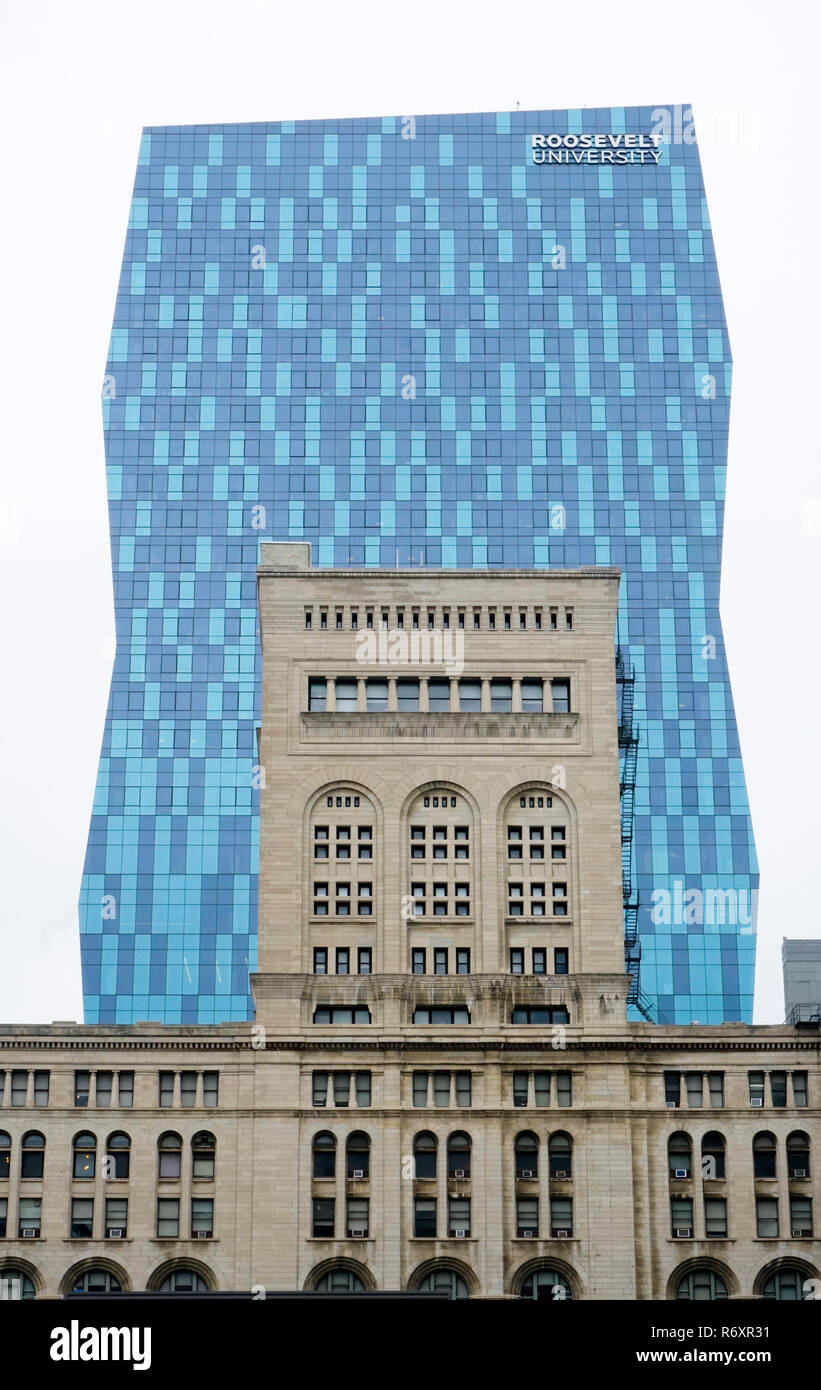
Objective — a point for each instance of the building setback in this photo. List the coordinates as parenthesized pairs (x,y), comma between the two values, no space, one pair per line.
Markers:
(411,341)
(440,1089)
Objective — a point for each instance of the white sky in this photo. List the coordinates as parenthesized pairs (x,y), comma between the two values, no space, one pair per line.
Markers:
(78,82)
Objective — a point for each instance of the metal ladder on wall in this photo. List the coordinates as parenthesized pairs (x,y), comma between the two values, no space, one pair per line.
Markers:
(628,760)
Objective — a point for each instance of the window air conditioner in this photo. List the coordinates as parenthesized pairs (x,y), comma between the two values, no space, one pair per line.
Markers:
(202,1235)
(458,1173)
(672,1105)
(527,1173)
(520,1100)
(799,1231)
(561,1234)
(798,1172)
(115,1233)
(682,1232)
(560,1173)
(528,1235)
(358,1173)
(357,1232)
(81,1100)
(460,1234)
(29,1232)
(757,1101)
(682,1173)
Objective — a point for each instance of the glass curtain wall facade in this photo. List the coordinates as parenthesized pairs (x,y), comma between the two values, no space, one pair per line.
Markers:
(415,341)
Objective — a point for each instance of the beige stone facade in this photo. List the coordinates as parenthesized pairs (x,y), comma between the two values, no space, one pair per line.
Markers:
(440,1089)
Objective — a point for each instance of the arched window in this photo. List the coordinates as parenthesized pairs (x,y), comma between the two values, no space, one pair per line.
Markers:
(169,1156)
(339,1281)
(764,1155)
(701,1285)
(527,1155)
(85,1156)
(183,1281)
(440,849)
(680,1155)
(444,1280)
(15,1284)
(547,1284)
(203,1155)
(324,1151)
(32,1155)
(96,1281)
(459,1155)
(342,837)
(798,1154)
(786,1284)
(424,1153)
(358,1155)
(5,1154)
(536,846)
(560,1149)
(117,1156)
(713,1156)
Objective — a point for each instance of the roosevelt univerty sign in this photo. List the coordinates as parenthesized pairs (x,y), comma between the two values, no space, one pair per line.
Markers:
(595,149)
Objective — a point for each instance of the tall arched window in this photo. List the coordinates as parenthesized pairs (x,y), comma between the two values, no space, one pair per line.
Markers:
(547,1284)
(5,1154)
(358,1155)
(85,1156)
(440,855)
(117,1156)
(169,1156)
(536,848)
(459,1155)
(14,1284)
(324,1152)
(445,1280)
(527,1155)
(96,1281)
(713,1156)
(32,1155)
(560,1149)
(339,1281)
(203,1155)
(424,1153)
(702,1285)
(786,1284)
(798,1154)
(183,1281)
(342,834)
(680,1155)
(765,1151)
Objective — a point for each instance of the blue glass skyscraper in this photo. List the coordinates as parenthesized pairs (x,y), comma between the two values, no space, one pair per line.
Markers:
(422,340)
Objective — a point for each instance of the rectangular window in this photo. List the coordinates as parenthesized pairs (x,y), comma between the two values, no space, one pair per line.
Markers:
(778,1087)
(672,1088)
(517,961)
(681,1215)
(29,1215)
(501,696)
(536,838)
(320,960)
(420,1088)
(343,960)
(125,1089)
(82,1218)
(561,1217)
(320,899)
(564,1088)
(364,849)
(800,1216)
(4,1208)
(202,1218)
(558,850)
(441,1088)
(346,696)
(766,1216)
(438,696)
(188,1088)
(463,1088)
(462,899)
(561,960)
(756,1084)
(515,900)
(527,1216)
(440,961)
(116,1218)
(317,693)
(799,1088)
(376,694)
(694,1083)
(407,695)
(363,1088)
(363,960)
(463,961)
(715,1081)
(210,1088)
(168,1218)
(715,1218)
(459,1217)
(357,1217)
(424,1217)
(166,1088)
(319,1088)
(41,1081)
(461,838)
(532,697)
(19,1087)
(520,1087)
(323,1217)
(541,1088)
(418,955)
(342,1089)
(102,1088)
(560,690)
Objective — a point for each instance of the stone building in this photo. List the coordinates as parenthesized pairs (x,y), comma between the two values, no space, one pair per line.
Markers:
(440,1089)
